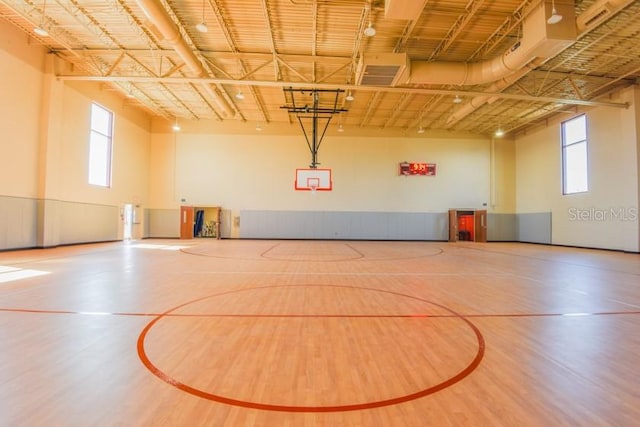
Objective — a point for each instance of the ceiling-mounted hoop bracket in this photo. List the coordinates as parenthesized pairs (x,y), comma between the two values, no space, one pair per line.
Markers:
(313,106)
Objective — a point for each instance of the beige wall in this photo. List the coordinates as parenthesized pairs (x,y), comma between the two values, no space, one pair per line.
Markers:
(21,66)
(607,215)
(503,176)
(44,135)
(256,171)
(131,149)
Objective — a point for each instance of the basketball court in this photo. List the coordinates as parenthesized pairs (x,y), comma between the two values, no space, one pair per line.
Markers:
(319,333)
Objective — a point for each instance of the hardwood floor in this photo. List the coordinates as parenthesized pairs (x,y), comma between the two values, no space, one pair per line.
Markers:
(319,333)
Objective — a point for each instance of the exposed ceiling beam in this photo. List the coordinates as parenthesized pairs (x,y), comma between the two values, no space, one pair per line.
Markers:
(542,99)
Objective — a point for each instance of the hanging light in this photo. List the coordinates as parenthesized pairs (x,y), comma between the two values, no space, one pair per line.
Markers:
(555,16)
(259,127)
(202,27)
(240,95)
(349,97)
(421,129)
(176,126)
(499,132)
(39,30)
(457,100)
(340,128)
(370,31)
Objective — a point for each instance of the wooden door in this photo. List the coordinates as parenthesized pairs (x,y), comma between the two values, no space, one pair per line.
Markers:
(453,225)
(186,222)
(481,226)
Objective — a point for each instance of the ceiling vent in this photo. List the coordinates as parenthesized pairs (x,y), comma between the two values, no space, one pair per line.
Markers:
(387,69)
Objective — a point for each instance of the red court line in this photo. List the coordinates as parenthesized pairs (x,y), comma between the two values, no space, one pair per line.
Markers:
(466,371)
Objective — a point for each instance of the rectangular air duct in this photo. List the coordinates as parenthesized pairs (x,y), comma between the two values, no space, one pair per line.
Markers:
(385,69)
(403,9)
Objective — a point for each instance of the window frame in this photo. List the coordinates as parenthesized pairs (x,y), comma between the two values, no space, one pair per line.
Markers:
(564,148)
(105,163)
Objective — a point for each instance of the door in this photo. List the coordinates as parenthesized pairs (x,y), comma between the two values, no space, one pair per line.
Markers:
(481,226)
(127,218)
(453,225)
(186,222)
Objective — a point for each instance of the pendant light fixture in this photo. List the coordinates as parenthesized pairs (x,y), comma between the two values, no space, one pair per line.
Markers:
(370,31)
(202,27)
(39,30)
(555,16)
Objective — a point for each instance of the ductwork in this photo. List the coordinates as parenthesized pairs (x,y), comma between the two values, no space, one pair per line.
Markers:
(539,40)
(403,9)
(160,24)
(584,23)
(498,86)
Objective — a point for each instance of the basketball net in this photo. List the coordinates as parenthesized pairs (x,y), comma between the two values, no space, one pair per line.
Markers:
(313,186)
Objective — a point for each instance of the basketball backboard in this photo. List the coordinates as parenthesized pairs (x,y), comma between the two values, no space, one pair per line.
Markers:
(313,180)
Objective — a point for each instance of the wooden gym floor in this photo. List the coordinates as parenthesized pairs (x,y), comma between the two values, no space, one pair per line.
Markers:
(319,333)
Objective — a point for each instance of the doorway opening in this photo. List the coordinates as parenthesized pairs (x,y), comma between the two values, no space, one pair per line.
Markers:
(127,219)
(467,225)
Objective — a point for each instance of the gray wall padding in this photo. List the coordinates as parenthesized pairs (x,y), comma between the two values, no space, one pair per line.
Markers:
(18,222)
(343,225)
(534,227)
(502,228)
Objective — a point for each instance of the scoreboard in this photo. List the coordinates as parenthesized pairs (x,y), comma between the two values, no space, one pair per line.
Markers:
(417,168)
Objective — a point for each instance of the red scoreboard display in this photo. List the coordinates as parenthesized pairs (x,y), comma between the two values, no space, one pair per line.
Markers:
(417,168)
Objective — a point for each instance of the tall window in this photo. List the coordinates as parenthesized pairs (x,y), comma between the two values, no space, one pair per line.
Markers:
(100,142)
(575,174)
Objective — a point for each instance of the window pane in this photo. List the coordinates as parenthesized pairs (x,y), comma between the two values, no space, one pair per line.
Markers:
(100,120)
(575,130)
(98,155)
(575,166)
(100,142)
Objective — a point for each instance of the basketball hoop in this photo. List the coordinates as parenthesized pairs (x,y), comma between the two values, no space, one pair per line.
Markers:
(313,180)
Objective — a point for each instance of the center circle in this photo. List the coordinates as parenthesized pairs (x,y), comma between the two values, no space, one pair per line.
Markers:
(199,392)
